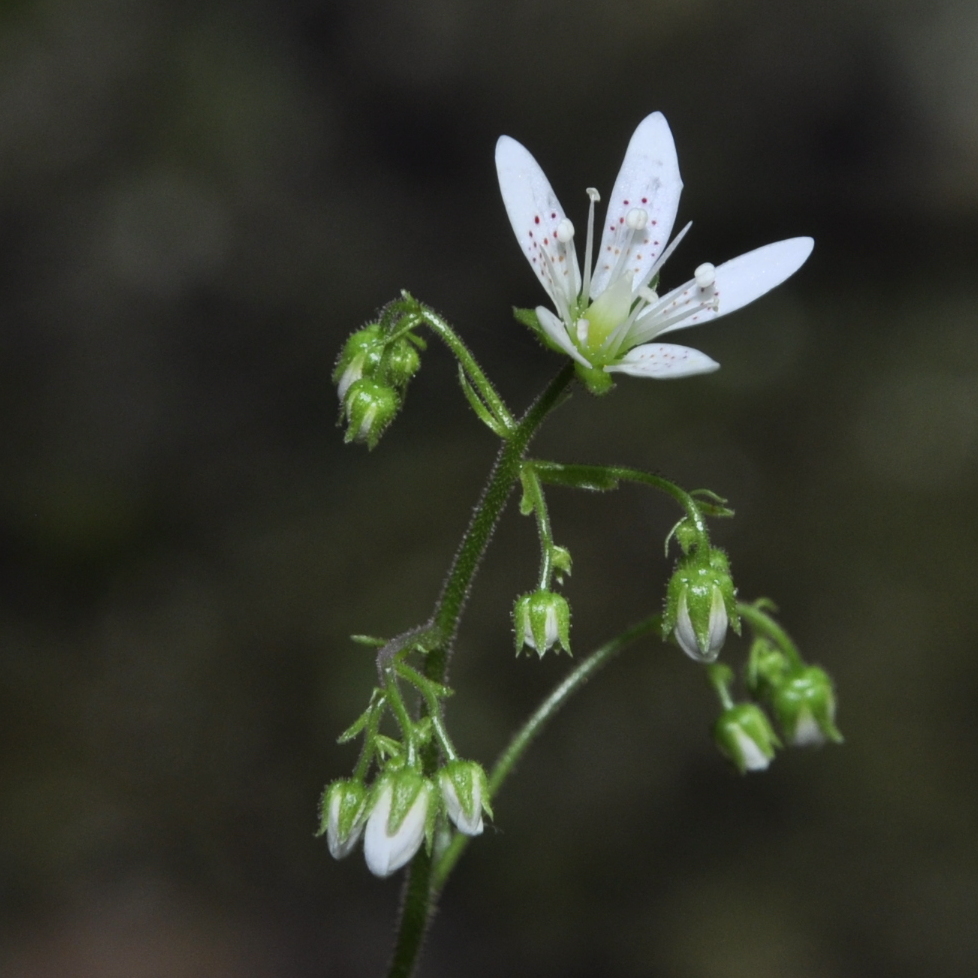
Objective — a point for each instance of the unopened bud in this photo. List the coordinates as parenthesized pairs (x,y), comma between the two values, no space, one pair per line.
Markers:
(541,621)
(745,735)
(805,707)
(360,356)
(403,362)
(465,793)
(399,820)
(343,812)
(370,407)
(701,602)
(767,669)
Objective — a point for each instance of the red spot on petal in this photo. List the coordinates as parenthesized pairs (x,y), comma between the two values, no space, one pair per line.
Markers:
(546,241)
(621,220)
(536,220)
(553,215)
(626,203)
(645,200)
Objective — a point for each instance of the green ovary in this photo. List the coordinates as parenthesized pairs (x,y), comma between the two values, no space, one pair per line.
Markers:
(604,315)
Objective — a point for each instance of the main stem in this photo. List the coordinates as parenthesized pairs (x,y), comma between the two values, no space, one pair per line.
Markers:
(419,894)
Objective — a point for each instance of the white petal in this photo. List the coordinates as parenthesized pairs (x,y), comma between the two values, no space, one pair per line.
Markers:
(685,633)
(557,331)
(340,847)
(466,823)
(753,757)
(385,854)
(648,180)
(663,360)
(535,214)
(807,732)
(747,277)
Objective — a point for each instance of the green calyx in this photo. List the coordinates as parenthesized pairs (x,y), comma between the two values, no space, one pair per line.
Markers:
(745,735)
(805,706)
(541,621)
(701,596)
(369,407)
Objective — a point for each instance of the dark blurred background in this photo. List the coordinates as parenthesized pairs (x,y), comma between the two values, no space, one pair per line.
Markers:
(198,202)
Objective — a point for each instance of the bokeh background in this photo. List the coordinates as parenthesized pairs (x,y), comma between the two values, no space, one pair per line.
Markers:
(198,202)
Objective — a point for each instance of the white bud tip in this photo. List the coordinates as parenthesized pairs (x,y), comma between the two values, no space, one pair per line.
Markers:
(592,192)
(565,231)
(705,275)
(637,218)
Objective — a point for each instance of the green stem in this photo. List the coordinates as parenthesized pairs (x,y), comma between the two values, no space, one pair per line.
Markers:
(534,726)
(418,898)
(604,477)
(766,625)
(534,491)
(451,339)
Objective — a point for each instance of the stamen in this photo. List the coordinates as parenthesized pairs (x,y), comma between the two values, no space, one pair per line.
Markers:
(560,294)
(589,248)
(649,295)
(705,275)
(565,232)
(665,256)
(637,218)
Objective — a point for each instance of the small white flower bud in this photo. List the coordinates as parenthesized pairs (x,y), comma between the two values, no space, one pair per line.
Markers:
(397,823)
(343,815)
(463,790)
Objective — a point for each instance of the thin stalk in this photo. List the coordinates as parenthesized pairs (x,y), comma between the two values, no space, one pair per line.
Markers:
(533,489)
(418,898)
(767,626)
(535,725)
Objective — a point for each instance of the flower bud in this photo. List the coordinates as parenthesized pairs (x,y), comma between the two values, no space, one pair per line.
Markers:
(342,815)
(541,621)
(745,735)
(370,407)
(403,362)
(398,822)
(701,602)
(465,793)
(361,354)
(767,669)
(805,707)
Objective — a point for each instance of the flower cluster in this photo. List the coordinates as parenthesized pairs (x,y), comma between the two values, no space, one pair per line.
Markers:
(607,316)
(371,376)
(399,811)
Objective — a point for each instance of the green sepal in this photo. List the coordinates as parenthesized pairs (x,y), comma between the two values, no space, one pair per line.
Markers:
(541,621)
(596,380)
(370,640)
(805,707)
(477,405)
(711,504)
(766,670)
(527,503)
(529,318)
(561,559)
(357,727)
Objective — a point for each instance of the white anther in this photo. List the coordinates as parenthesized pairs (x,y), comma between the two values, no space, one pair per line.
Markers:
(592,192)
(637,218)
(582,328)
(649,295)
(705,275)
(565,231)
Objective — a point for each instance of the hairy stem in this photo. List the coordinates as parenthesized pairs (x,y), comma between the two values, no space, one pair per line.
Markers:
(535,725)
(418,899)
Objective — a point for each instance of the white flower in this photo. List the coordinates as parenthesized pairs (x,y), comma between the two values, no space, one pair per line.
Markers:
(387,847)
(606,318)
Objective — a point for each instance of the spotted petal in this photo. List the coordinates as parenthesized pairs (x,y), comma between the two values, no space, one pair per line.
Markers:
(663,360)
(747,277)
(648,181)
(536,214)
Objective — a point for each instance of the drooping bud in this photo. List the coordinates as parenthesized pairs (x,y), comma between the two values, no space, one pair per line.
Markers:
(701,601)
(745,735)
(805,707)
(343,812)
(360,357)
(399,819)
(542,620)
(370,407)
(767,669)
(403,362)
(465,793)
